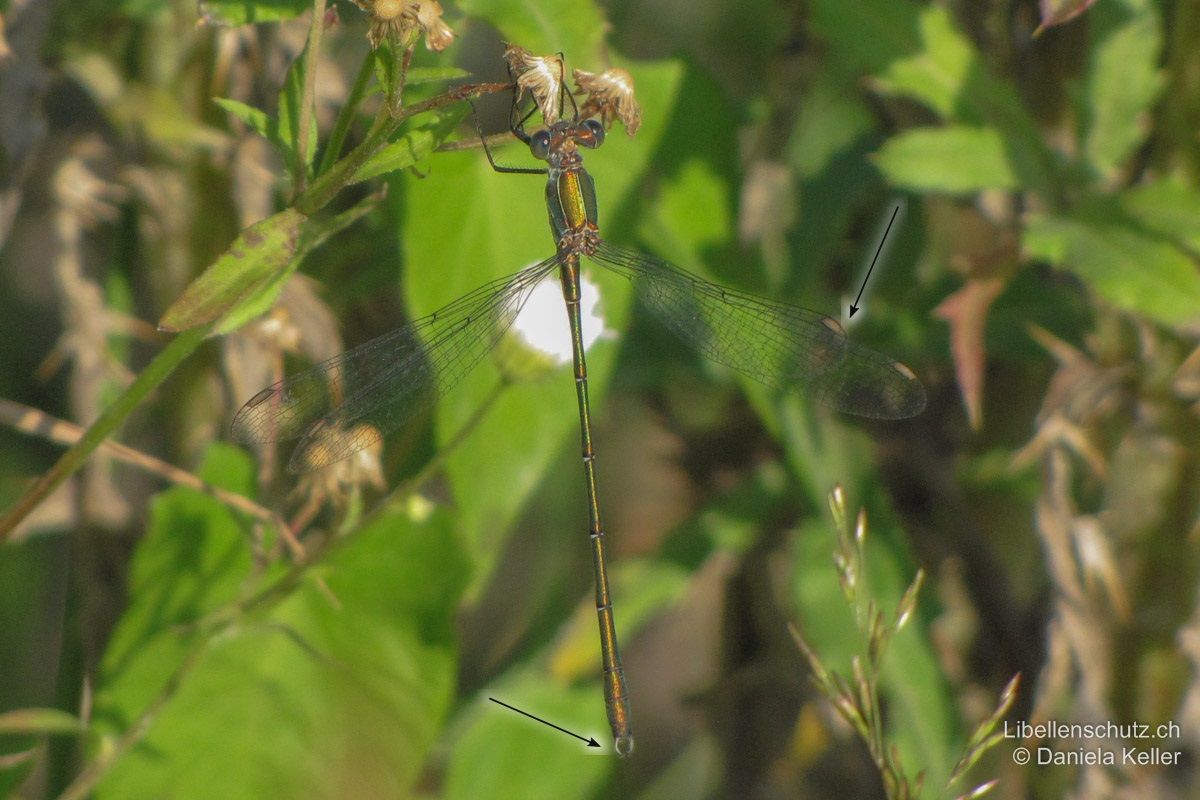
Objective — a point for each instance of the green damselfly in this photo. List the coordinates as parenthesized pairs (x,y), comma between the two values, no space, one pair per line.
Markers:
(351,401)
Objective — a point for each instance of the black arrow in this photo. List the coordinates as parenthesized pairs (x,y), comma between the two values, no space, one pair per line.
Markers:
(854,305)
(590,742)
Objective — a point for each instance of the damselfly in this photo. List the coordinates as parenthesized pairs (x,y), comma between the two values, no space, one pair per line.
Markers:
(352,400)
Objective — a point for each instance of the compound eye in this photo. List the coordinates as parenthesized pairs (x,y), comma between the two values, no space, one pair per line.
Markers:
(539,145)
(596,131)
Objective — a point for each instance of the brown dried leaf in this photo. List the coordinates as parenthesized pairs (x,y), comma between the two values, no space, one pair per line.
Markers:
(966,311)
(1056,12)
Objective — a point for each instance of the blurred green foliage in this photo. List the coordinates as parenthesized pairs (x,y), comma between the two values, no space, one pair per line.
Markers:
(161,641)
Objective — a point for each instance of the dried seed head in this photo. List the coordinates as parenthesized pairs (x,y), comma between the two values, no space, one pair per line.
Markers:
(610,95)
(334,481)
(387,10)
(541,76)
(405,20)
(438,35)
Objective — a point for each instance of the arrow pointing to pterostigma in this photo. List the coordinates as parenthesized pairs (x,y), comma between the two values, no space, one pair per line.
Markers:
(854,305)
(590,742)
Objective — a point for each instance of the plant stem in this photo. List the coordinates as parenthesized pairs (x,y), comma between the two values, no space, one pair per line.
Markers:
(147,381)
(341,126)
(326,187)
(312,52)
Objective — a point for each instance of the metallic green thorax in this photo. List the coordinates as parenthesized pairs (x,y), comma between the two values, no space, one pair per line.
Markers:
(571,201)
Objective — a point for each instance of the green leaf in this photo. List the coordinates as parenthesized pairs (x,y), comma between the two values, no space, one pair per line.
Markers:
(829,121)
(1125,265)
(1170,208)
(403,153)
(918,52)
(344,683)
(256,118)
(954,160)
(314,232)
(503,754)
(419,75)
(573,27)
(39,721)
(410,147)
(1123,82)
(241,12)
(914,51)
(245,282)
(287,130)
(251,265)
(142,9)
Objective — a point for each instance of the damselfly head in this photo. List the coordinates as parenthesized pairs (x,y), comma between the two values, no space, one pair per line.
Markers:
(589,133)
(563,137)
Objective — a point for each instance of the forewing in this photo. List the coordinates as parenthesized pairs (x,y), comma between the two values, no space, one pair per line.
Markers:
(777,344)
(352,400)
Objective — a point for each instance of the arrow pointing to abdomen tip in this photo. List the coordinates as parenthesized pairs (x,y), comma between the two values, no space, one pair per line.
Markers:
(878,250)
(590,742)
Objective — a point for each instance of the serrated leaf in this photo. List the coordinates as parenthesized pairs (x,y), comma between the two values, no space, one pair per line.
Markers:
(1128,267)
(956,159)
(1123,82)
(256,118)
(256,258)
(242,12)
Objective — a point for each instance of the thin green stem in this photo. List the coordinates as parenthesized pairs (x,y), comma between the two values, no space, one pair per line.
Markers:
(341,174)
(399,80)
(70,461)
(312,51)
(90,777)
(345,118)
